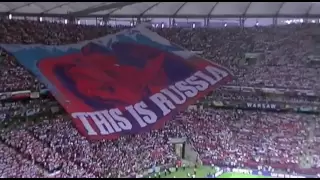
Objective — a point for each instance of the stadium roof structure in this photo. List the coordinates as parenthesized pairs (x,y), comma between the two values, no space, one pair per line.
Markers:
(163,9)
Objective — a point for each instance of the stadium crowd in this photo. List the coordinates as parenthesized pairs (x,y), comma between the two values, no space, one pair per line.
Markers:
(285,50)
(253,138)
(48,145)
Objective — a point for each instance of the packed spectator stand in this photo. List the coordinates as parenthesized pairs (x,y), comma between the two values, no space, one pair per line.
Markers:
(47,144)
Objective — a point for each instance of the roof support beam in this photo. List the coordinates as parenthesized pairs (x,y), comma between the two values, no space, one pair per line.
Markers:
(13,9)
(55,7)
(309,10)
(212,9)
(280,7)
(246,10)
(142,14)
(177,11)
(112,11)
(102,8)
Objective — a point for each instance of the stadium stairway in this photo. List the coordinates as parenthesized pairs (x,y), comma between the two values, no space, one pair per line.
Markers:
(26,156)
(192,154)
(306,161)
(32,149)
(57,149)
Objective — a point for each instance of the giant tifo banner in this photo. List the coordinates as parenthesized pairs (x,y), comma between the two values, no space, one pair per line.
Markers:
(125,83)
